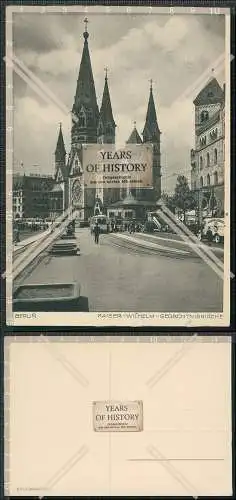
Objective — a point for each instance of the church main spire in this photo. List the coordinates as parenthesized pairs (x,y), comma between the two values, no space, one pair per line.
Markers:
(85,109)
(151,130)
(106,127)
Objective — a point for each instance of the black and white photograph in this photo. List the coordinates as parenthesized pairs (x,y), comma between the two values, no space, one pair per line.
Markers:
(118,166)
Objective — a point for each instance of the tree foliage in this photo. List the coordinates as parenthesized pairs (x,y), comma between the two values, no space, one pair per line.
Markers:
(183,197)
(169,201)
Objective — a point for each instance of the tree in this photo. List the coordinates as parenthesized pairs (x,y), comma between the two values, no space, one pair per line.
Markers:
(183,197)
(169,201)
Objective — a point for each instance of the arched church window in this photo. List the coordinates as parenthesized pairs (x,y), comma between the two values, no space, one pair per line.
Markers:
(215,178)
(215,156)
(208,160)
(82,120)
(90,116)
(201,182)
(201,163)
(108,129)
(208,180)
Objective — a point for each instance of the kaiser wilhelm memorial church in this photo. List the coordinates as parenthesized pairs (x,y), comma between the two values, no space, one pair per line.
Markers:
(93,126)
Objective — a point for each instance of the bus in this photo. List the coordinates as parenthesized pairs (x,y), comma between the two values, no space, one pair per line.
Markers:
(102,221)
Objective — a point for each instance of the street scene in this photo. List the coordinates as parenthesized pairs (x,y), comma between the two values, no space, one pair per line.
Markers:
(134,273)
(131,215)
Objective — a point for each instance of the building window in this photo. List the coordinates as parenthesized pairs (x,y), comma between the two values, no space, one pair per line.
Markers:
(215,156)
(208,180)
(81,120)
(213,134)
(204,116)
(109,129)
(194,185)
(203,141)
(100,130)
(208,160)
(201,182)
(215,178)
(201,163)
(90,117)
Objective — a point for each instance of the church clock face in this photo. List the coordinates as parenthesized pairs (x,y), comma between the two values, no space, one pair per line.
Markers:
(76,192)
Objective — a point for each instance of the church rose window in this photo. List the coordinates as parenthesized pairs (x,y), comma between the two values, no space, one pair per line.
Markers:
(76,192)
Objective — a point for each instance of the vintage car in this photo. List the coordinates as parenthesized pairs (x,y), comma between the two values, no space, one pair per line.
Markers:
(212,230)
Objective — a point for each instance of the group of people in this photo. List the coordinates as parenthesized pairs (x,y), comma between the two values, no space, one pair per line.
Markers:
(131,228)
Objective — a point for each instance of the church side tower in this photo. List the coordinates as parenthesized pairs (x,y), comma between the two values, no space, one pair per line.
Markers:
(60,154)
(152,134)
(106,123)
(134,138)
(106,135)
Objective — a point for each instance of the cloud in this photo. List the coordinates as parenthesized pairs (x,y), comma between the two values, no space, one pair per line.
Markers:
(40,129)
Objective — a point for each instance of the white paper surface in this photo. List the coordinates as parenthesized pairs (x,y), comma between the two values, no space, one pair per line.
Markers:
(185,445)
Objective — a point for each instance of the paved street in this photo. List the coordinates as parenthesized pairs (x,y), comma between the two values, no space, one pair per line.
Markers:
(129,278)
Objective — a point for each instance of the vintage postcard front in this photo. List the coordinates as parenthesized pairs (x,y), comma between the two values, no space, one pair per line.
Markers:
(114,418)
(118,166)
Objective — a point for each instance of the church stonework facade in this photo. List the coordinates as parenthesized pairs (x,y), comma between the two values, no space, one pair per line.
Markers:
(93,126)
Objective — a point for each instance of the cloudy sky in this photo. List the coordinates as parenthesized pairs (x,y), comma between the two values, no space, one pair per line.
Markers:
(176,51)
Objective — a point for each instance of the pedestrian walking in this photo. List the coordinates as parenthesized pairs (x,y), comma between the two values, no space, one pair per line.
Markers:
(16,236)
(96,233)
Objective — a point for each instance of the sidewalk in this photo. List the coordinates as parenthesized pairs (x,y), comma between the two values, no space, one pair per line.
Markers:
(177,239)
(172,246)
(147,244)
(24,243)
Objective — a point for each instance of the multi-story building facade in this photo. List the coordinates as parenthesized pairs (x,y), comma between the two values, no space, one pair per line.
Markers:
(32,196)
(207,159)
(91,125)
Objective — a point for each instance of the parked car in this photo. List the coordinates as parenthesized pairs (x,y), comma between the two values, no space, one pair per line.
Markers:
(193,227)
(212,230)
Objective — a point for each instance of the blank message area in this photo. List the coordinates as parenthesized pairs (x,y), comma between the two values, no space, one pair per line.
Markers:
(52,448)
